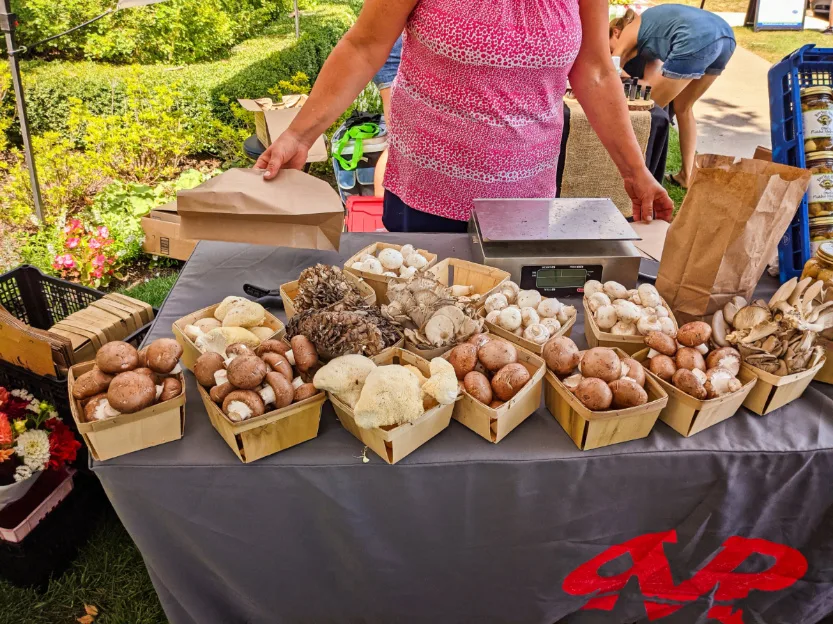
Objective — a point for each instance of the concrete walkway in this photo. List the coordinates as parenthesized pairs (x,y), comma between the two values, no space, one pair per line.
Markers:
(733,115)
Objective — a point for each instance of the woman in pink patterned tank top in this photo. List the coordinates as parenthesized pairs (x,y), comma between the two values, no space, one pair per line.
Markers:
(476,110)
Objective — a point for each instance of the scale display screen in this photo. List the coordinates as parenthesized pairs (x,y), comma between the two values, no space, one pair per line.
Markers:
(560,278)
(554,280)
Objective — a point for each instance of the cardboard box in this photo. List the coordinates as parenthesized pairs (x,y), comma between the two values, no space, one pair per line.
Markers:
(162,237)
(240,206)
(272,118)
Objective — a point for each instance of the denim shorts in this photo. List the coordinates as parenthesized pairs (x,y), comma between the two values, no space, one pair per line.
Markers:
(711,61)
(384,78)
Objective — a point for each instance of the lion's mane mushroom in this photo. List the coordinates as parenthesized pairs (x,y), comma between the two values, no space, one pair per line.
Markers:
(272,346)
(171,388)
(442,384)
(163,355)
(92,382)
(391,396)
(205,367)
(344,377)
(131,392)
(306,357)
(246,372)
(99,409)
(277,390)
(117,357)
(241,405)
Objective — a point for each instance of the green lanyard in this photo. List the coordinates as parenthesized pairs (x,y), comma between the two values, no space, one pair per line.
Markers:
(357,134)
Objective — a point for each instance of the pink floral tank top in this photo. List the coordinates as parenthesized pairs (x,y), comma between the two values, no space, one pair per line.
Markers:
(476,109)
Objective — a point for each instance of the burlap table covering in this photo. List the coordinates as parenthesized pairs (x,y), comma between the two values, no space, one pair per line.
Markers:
(588,169)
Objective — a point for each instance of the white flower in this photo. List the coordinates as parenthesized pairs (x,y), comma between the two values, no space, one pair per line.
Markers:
(33,447)
(53,414)
(22,473)
(34,406)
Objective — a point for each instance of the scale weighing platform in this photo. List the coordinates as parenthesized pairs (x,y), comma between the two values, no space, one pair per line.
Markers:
(554,246)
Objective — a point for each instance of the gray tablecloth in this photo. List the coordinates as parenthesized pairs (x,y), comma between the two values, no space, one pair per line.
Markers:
(466,531)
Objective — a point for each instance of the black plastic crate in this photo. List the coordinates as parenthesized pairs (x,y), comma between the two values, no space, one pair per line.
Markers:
(53,545)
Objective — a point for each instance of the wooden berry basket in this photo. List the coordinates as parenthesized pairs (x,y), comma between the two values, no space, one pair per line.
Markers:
(494,424)
(456,272)
(379,283)
(190,352)
(772,391)
(394,443)
(687,415)
(598,338)
(537,349)
(269,433)
(592,430)
(126,433)
(290,290)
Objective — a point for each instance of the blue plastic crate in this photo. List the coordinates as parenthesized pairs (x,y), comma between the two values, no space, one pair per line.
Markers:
(809,66)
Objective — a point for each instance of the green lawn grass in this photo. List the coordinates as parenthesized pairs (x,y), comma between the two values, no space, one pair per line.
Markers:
(673,165)
(774,46)
(716,6)
(154,290)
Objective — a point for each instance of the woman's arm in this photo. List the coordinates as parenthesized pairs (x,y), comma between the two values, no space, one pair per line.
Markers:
(626,44)
(599,91)
(348,69)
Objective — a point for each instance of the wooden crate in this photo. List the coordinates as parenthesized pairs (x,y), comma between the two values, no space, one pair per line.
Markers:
(270,433)
(495,424)
(455,272)
(126,433)
(566,330)
(598,338)
(394,443)
(190,352)
(379,283)
(290,290)
(772,391)
(825,375)
(591,430)
(687,415)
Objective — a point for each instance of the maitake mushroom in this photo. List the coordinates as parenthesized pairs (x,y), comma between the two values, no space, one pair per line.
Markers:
(778,336)
(322,285)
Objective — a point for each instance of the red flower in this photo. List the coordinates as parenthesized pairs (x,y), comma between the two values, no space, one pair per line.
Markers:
(16,408)
(5,430)
(63,446)
(4,396)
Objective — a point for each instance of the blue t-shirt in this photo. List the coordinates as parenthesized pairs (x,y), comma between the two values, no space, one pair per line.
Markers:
(678,29)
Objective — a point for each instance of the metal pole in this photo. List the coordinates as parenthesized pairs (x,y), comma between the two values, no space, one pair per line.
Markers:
(297,20)
(8,21)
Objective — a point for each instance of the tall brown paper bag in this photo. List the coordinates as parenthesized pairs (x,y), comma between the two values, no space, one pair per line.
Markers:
(727,229)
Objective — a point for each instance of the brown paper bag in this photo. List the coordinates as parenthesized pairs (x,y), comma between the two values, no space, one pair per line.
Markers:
(728,227)
(293,210)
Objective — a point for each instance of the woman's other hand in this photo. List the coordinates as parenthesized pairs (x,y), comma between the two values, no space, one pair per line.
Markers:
(650,199)
(287,152)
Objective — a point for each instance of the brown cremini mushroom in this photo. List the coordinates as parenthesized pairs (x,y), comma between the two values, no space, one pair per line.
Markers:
(219,393)
(163,355)
(304,391)
(117,357)
(690,358)
(271,346)
(98,409)
(171,388)
(304,351)
(243,404)
(277,390)
(238,348)
(143,357)
(131,392)
(90,383)
(205,367)
(246,372)
(661,343)
(279,363)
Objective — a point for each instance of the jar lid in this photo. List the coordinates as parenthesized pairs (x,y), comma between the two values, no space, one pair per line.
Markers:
(825,251)
(819,156)
(821,90)
(821,221)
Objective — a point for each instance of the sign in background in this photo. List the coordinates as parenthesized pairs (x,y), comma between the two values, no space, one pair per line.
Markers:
(779,14)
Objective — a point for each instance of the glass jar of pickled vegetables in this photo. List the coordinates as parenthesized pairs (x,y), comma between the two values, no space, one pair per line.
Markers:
(820,266)
(820,195)
(817,113)
(821,231)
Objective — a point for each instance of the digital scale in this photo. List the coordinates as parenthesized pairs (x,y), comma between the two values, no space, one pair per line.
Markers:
(554,246)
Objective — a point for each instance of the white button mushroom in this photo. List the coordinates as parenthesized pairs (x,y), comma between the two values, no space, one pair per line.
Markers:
(649,296)
(510,319)
(510,290)
(529,317)
(592,287)
(391,259)
(627,311)
(606,317)
(497,301)
(407,250)
(358,266)
(529,299)
(389,274)
(566,313)
(537,333)
(597,300)
(646,324)
(407,272)
(549,308)
(661,311)
(667,326)
(372,265)
(493,316)
(624,329)
(553,325)
(615,290)
(417,261)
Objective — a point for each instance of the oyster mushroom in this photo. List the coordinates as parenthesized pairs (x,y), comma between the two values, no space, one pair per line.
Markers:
(439,330)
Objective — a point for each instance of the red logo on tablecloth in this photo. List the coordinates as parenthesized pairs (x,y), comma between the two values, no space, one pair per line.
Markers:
(662,597)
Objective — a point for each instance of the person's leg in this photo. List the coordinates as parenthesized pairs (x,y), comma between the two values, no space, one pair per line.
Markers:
(665,89)
(379,173)
(829,29)
(687,124)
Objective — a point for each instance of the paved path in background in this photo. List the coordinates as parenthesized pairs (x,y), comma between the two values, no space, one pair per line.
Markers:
(733,115)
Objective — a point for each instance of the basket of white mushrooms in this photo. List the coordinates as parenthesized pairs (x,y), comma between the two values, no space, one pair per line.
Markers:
(525,317)
(379,263)
(616,316)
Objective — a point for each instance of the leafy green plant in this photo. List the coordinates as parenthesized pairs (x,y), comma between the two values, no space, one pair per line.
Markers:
(86,255)
(297,85)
